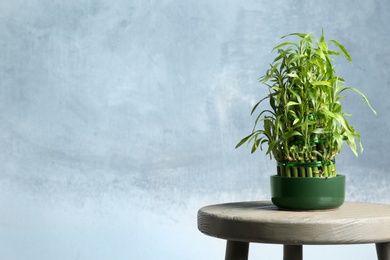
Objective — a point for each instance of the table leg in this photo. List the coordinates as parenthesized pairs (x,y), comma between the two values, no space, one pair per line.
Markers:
(292,252)
(236,250)
(383,251)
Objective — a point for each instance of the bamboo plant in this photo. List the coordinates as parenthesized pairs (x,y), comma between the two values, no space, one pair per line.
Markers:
(305,126)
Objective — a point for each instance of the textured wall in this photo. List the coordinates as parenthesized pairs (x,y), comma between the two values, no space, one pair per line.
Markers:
(118,119)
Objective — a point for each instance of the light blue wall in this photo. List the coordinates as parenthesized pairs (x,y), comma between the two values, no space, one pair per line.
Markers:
(118,120)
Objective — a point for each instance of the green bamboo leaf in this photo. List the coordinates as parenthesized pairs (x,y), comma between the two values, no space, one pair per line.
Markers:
(333,53)
(320,131)
(278,58)
(296,95)
(268,126)
(255,145)
(284,44)
(304,124)
(255,106)
(302,35)
(320,53)
(352,144)
(243,140)
(340,79)
(272,103)
(260,118)
(284,52)
(292,75)
(258,103)
(263,141)
(344,123)
(271,146)
(255,135)
(292,103)
(339,141)
(296,57)
(364,97)
(321,83)
(341,120)
(323,46)
(288,135)
(342,88)
(343,50)
(318,62)
(322,35)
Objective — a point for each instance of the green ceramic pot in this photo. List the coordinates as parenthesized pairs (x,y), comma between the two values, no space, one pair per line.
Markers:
(296,193)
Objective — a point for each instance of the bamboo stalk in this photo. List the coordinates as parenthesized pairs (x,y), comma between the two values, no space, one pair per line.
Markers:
(325,171)
(332,169)
(282,170)
(331,172)
(309,172)
(316,172)
(302,172)
(295,171)
(288,171)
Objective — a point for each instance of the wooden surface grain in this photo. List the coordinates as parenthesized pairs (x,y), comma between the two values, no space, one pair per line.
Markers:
(261,221)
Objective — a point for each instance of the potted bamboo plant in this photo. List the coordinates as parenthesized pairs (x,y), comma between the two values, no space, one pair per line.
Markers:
(305,126)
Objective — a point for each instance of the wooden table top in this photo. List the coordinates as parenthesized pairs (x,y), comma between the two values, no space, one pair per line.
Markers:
(261,221)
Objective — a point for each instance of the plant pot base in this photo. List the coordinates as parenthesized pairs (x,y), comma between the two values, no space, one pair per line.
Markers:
(307,193)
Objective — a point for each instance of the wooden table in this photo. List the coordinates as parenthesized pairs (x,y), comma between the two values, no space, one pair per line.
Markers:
(262,222)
